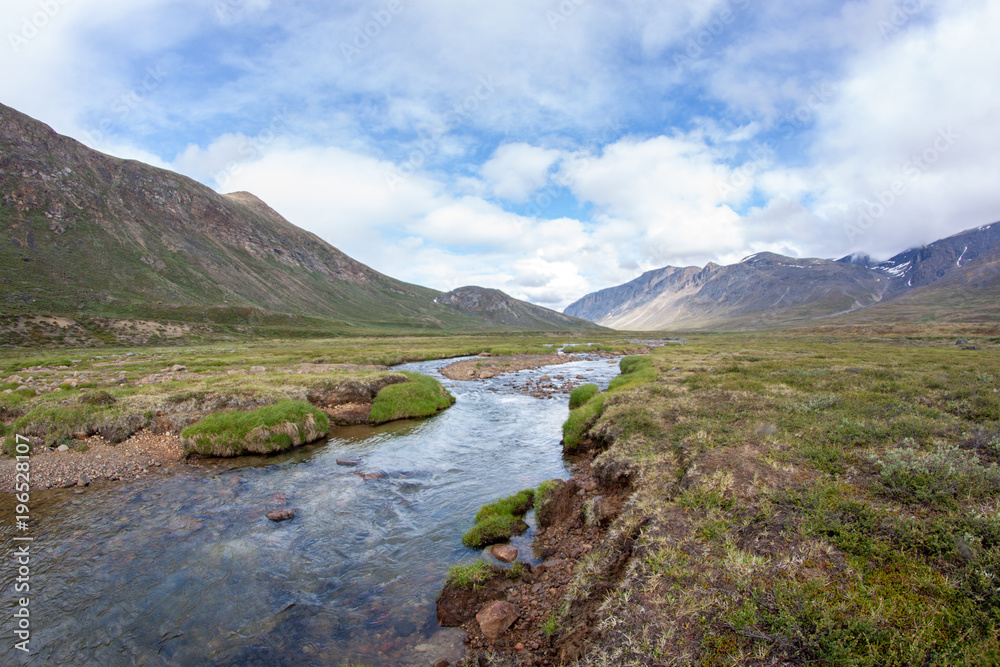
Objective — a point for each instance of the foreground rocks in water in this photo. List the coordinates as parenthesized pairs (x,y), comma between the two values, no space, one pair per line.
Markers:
(281,515)
(496,617)
(484,368)
(505,553)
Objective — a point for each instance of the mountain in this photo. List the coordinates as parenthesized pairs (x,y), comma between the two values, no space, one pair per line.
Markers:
(767,289)
(494,306)
(86,234)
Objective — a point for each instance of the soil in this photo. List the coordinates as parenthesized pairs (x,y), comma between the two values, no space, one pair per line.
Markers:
(538,594)
(93,460)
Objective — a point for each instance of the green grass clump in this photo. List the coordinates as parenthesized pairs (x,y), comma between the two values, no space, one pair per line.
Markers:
(582,394)
(422,396)
(471,575)
(266,430)
(580,420)
(635,370)
(499,520)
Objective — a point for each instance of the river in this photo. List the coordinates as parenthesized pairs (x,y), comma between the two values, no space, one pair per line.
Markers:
(184,569)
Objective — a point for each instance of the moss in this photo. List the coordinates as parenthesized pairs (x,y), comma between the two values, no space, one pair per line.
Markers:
(422,396)
(580,420)
(499,520)
(582,394)
(273,428)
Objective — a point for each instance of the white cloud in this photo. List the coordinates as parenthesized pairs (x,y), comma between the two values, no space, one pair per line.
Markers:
(517,170)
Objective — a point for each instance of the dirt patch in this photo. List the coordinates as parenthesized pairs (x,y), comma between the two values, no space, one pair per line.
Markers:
(93,459)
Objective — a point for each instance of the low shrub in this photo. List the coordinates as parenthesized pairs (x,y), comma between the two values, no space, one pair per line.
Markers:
(272,428)
(938,477)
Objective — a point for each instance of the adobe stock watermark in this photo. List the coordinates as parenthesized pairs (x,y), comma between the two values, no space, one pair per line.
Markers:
(33,24)
(364,35)
(428,146)
(562,12)
(126,103)
(870,212)
(699,43)
(252,148)
(901,14)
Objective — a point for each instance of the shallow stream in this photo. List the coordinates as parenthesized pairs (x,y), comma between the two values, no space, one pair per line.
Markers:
(184,569)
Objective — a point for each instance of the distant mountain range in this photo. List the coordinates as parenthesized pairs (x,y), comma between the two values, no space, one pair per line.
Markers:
(86,234)
(956,278)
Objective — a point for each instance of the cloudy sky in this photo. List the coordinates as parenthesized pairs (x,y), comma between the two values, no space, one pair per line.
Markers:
(544,147)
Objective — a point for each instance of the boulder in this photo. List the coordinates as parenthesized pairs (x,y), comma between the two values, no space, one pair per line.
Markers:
(505,553)
(281,515)
(177,368)
(495,618)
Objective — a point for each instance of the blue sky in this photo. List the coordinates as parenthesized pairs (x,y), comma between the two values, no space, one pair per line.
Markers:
(548,148)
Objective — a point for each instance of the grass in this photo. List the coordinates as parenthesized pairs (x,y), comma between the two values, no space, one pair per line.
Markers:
(499,520)
(422,396)
(582,394)
(266,430)
(804,498)
(470,576)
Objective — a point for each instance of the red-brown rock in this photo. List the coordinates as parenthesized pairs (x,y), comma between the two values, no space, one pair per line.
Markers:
(504,553)
(495,618)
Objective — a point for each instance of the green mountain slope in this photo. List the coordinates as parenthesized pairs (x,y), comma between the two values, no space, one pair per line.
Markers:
(87,234)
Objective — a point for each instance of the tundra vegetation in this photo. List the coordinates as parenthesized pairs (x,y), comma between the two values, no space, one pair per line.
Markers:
(797,498)
(114,392)
(498,521)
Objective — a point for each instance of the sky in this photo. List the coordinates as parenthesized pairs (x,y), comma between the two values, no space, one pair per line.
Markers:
(548,148)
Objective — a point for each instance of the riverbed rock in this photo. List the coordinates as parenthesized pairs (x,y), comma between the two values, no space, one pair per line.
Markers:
(349,462)
(495,618)
(281,515)
(505,553)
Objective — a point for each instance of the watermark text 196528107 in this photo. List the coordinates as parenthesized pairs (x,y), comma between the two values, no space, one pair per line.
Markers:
(21,557)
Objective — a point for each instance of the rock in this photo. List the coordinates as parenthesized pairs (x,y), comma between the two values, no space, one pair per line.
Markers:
(545,378)
(177,368)
(961,341)
(256,370)
(558,504)
(281,515)
(15,378)
(83,480)
(279,499)
(505,553)
(519,646)
(349,462)
(496,617)
(62,448)
(80,435)
(441,663)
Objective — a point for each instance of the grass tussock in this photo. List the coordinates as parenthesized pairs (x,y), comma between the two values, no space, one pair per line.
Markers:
(421,396)
(499,520)
(266,430)
(582,394)
(470,576)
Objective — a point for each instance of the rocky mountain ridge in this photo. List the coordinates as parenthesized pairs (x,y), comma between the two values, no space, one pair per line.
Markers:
(767,289)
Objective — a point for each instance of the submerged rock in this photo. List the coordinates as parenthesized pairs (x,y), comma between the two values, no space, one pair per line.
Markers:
(281,515)
(505,553)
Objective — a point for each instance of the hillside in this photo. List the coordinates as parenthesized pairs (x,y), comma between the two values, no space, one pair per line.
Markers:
(83,234)
(954,279)
(499,308)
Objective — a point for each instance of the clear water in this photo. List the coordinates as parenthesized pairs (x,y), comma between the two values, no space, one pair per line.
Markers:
(185,569)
